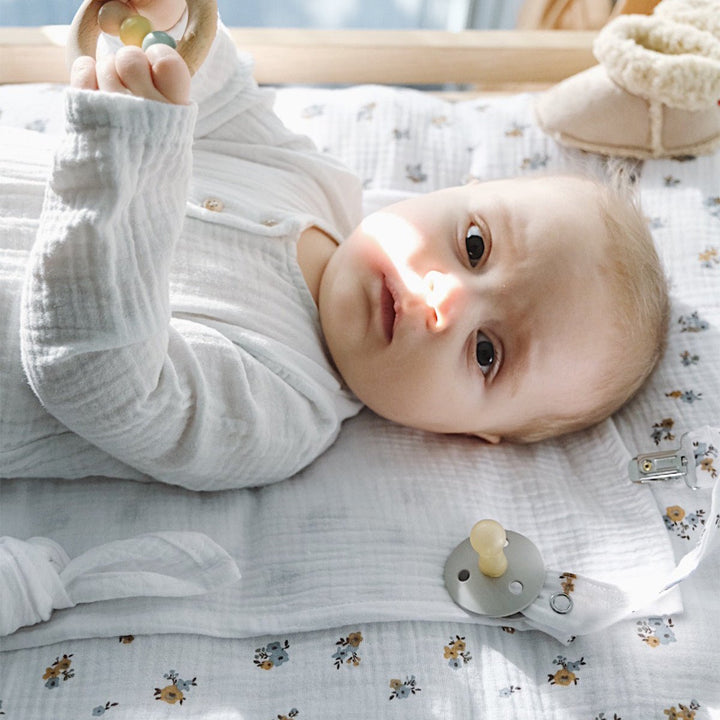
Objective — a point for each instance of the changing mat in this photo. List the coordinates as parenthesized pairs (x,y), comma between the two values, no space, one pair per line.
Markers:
(362,535)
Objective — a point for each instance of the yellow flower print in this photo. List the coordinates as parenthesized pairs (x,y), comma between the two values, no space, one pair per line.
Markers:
(266,665)
(568,584)
(685,712)
(564,677)
(675,513)
(355,639)
(567,674)
(60,668)
(457,653)
(171,694)
(175,692)
(652,641)
(395,683)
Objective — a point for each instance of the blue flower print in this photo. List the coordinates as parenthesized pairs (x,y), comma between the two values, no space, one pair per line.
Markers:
(279,658)
(535,162)
(712,203)
(183,685)
(347,650)
(402,690)
(455,663)
(102,709)
(53,682)
(693,323)
(686,396)
(656,631)
(272,655)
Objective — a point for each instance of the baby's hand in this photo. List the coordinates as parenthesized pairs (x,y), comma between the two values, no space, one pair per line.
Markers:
(159,73)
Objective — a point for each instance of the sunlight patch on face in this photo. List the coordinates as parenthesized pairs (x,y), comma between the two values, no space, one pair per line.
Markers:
(400,241)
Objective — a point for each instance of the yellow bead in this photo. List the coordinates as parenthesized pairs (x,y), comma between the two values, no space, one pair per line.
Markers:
(111,16)
(134,29)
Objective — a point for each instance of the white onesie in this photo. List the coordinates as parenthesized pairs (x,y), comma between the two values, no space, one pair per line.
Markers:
(161,317)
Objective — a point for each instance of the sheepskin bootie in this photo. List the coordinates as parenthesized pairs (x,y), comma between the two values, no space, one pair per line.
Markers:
(656,92)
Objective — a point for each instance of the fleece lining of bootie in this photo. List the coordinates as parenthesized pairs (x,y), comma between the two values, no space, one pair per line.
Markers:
(703,14)
(660,59)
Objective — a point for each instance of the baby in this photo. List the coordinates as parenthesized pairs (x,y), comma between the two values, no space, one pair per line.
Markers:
(202,303)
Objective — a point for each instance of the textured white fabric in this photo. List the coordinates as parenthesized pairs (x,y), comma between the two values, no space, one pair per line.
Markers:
(37,577)
(363,533)
(164,338)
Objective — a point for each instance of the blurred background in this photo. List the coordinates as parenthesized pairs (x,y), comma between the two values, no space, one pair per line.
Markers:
(330,14)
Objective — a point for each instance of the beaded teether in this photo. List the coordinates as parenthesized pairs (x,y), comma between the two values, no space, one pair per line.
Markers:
(117,18)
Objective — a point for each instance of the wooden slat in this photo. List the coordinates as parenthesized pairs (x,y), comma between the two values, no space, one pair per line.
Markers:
(488,58)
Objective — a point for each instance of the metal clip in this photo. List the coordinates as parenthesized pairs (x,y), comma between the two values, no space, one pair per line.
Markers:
(666,465)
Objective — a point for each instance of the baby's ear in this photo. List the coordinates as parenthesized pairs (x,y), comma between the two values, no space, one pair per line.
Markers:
(488,437)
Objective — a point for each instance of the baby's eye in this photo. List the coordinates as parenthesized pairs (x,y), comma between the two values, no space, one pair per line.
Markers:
(484,353)
(474,245)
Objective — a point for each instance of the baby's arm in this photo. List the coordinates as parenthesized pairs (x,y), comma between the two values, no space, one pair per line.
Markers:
(172,398)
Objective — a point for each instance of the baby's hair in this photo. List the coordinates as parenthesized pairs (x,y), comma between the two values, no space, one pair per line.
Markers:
(639,288)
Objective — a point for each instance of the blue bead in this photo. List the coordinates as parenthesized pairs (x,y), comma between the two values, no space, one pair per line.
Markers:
(158,36)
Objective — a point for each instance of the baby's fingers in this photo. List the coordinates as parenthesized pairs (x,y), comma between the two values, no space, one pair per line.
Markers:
(170,74)
(83,74)
(133,71)
(108,78)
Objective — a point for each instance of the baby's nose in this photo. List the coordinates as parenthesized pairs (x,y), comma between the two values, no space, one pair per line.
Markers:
(443,295)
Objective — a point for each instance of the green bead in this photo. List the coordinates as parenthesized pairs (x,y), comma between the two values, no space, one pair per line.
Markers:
(156,37)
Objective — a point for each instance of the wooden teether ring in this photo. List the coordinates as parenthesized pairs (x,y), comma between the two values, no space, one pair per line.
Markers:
(193,46)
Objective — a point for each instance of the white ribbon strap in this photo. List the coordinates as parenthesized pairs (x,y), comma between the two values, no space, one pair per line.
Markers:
(586,605)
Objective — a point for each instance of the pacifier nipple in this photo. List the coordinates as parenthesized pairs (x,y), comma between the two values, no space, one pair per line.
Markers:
(488,540)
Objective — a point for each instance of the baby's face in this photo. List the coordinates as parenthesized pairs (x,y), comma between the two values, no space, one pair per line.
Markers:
(474,309)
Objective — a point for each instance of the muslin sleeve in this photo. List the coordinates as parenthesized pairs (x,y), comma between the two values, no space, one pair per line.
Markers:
(173,399)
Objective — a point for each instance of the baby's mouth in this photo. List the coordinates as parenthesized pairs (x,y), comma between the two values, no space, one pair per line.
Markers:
(387,311)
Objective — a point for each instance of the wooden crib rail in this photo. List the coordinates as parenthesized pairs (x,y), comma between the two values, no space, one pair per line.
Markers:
(487,59)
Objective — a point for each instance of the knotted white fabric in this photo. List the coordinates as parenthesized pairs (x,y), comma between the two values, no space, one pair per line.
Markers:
(37,576)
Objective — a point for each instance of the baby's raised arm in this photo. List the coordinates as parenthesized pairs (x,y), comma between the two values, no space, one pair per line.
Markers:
(171,396)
